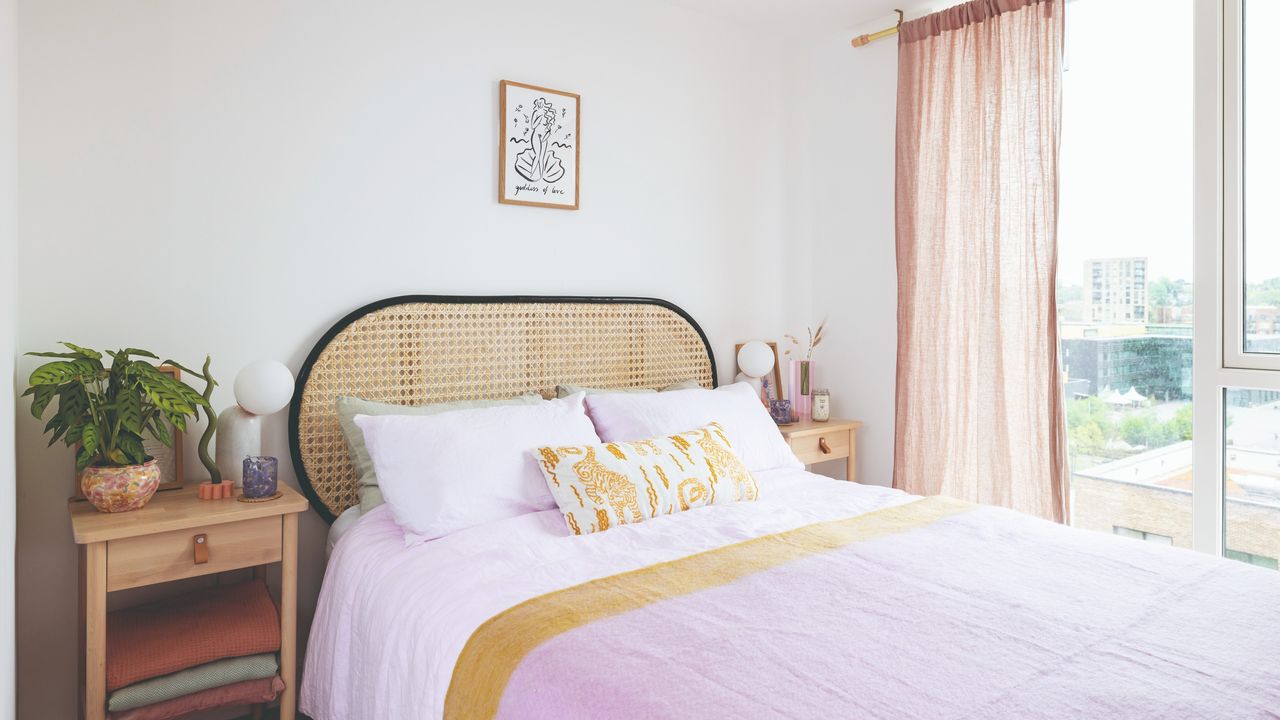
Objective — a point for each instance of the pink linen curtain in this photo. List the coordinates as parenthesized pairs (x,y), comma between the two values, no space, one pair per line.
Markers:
(980,413)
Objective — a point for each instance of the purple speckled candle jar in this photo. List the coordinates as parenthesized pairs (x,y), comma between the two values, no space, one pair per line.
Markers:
(260,476)
(780,411)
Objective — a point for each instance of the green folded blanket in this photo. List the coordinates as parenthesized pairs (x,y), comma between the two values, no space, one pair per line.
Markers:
(191,680)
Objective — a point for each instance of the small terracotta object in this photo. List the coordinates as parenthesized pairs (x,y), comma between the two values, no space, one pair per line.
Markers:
(216,491)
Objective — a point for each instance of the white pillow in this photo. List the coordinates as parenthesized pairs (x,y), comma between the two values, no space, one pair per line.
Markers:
(447,472)
(620,417)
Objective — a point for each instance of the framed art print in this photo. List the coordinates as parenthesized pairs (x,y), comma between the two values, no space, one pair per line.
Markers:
(168,458)
(538,149)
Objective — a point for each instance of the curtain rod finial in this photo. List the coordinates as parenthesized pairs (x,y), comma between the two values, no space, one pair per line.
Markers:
(862,40)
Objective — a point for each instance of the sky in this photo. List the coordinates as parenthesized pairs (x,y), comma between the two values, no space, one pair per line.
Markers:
(1262,149)
(1126,156)
(1125,168)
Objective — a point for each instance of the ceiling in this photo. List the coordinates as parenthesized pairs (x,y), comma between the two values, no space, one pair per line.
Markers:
(791,16)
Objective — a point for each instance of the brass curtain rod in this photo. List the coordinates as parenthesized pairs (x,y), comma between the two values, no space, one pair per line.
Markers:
(864,39)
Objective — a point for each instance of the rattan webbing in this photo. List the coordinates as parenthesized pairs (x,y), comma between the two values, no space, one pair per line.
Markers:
(426,352)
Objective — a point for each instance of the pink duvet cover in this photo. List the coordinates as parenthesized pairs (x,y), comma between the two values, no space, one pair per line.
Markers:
(969,613)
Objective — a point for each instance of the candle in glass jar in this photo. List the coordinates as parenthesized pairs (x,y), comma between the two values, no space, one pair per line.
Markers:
(260,474)
(780,411)
(821,405)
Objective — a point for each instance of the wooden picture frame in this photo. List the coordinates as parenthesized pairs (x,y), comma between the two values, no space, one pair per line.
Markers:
(539,125)
(777,366)
(170,471)
(170,459)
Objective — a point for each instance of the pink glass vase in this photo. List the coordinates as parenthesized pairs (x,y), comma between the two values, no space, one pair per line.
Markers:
(802,389)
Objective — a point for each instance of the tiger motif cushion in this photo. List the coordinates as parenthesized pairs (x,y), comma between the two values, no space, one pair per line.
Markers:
(600,486)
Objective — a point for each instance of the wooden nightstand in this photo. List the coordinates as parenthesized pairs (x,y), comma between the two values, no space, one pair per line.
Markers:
(158,544)
(815,442)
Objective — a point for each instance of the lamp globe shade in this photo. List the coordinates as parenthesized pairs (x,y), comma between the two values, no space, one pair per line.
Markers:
(264,387)
(755,359)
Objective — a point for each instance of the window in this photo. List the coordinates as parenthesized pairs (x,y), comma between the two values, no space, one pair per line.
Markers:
(1251,464)
(1259,560)
(1126,255)
(1251,258)
(1260,255)
(1194,209)
(1142,535)
(1236,448)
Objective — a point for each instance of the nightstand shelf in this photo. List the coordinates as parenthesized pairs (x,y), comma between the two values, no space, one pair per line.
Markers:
(178,536)
(815,442)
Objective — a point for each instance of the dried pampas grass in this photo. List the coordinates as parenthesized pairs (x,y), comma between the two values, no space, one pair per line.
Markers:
(815,339)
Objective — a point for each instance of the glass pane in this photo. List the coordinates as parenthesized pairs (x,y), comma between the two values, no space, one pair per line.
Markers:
(1252,457)
(1125,267)
(1261,178)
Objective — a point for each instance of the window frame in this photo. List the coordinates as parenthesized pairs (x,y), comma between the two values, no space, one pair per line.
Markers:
(1231,99)
(1218,360)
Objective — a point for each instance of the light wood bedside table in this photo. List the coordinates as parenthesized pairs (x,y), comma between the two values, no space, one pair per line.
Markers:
(158,543)
(815,442)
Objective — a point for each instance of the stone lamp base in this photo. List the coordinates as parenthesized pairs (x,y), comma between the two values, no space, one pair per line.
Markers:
(239,436)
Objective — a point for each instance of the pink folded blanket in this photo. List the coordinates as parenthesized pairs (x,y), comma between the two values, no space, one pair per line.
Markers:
(212,624)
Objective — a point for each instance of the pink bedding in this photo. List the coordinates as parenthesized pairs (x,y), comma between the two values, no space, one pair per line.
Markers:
(981,613)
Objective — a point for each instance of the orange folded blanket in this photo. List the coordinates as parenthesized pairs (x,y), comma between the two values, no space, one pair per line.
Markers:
(177,633)
(245,692)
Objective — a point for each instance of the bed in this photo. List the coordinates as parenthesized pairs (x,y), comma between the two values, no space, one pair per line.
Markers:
(820,599)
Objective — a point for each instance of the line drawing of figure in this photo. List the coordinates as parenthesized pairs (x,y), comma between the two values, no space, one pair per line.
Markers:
(539,162)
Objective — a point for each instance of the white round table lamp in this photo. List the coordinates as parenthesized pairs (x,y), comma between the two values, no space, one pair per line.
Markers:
(755,360)
(262,388)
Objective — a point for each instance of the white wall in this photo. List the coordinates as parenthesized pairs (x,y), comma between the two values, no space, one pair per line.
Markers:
(8,340)
(232,177)
(841,111)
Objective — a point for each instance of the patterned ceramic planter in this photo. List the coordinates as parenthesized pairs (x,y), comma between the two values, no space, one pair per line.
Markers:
(117,489)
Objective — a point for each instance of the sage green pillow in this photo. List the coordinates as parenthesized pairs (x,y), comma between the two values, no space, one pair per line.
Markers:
(350,407)
(564,391)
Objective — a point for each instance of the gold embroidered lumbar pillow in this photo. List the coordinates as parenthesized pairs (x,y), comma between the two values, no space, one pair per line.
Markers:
(599,486)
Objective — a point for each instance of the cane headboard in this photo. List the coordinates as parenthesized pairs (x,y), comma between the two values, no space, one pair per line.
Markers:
(419,349)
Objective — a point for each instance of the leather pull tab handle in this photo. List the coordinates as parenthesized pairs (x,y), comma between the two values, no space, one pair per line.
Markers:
(201,548)
(823,446)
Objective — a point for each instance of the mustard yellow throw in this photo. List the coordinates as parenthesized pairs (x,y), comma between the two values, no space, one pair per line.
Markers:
(497,647)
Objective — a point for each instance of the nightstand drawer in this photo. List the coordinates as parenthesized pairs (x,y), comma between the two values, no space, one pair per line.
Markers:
(161,557)
(810,448)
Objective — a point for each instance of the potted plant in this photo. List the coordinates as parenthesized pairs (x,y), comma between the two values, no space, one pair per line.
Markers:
(105,412)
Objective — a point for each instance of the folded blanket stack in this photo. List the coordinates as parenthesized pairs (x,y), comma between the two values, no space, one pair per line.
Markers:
(200,651)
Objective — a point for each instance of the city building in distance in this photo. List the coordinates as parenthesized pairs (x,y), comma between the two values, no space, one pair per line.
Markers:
(1115,290)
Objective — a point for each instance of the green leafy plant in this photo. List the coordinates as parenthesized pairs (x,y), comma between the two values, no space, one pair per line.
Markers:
(108,410)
